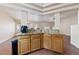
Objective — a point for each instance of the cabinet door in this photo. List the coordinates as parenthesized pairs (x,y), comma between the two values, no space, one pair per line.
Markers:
(35,42)
(24,46)
(58,43)
(47,41)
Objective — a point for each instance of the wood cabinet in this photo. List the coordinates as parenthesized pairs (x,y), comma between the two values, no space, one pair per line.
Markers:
(24,44)
(47,41)
(35,42)
(32,42)
(57,43)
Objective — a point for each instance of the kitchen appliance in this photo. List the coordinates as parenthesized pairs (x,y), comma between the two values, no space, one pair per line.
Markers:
(24,29)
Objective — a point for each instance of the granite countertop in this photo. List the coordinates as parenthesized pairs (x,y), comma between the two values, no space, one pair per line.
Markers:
(20,34)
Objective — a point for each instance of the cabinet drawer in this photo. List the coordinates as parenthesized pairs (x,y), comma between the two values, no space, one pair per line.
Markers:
(58,36)
(47,34)
(23,37)
(35,36)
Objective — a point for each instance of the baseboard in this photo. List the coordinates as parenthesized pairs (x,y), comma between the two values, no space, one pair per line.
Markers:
(74,44)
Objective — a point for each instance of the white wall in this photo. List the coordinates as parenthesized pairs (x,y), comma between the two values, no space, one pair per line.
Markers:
(75,35)
(7,26)
(67,19)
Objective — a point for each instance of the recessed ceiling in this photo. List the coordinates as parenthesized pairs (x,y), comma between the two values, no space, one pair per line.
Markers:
(45,8)
(43,4)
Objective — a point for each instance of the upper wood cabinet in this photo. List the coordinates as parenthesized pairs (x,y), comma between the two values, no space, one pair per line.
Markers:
(24,44)
(47,41)
(35,42)
(57,43)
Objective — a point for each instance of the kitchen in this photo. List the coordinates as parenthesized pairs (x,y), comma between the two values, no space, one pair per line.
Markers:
(34,30)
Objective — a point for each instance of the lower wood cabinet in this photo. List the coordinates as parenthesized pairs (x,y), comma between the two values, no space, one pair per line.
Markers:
(57,43)
(47,41)
(54,42)
(29,43)
(24,45)
(35,42)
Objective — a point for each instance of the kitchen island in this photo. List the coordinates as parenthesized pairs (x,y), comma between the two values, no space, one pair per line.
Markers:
(31,42)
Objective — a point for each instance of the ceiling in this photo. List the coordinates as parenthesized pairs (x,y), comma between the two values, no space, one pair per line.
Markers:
(43,4)
(44,8)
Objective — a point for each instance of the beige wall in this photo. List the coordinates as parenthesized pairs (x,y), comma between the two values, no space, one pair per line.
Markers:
(67,19)
(7,26)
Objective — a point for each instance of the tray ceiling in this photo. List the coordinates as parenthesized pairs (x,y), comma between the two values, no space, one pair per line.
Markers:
(45,8)
(43,4)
